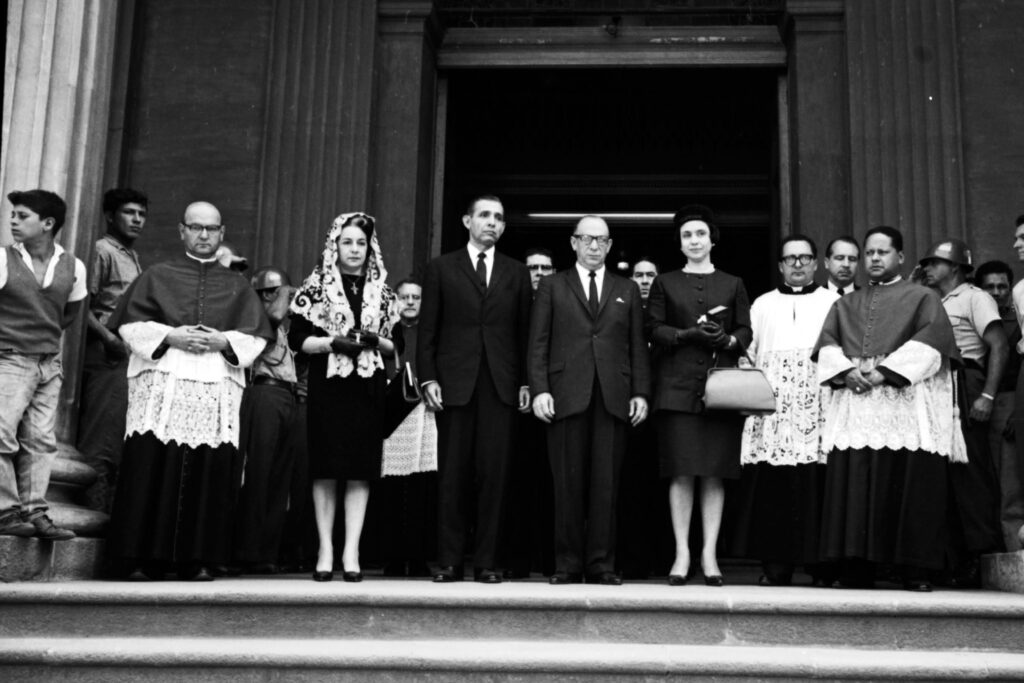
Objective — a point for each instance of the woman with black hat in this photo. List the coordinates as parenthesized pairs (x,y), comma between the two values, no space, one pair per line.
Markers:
(342,316)
(699,317)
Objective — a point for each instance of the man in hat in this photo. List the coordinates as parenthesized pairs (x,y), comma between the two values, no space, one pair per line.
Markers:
(42,290)
(266,413)
(192,326)
(978,332)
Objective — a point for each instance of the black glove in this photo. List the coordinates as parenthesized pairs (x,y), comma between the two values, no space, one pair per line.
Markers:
(710,336)
(346,346)
(366,339)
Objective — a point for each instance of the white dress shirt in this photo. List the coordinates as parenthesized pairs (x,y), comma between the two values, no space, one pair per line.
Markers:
(488,259)
(584,274)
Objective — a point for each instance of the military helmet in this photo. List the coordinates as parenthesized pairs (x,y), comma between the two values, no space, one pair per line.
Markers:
(955,251)
(269,278)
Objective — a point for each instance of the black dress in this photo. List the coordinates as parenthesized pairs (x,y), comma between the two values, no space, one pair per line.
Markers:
(345,420)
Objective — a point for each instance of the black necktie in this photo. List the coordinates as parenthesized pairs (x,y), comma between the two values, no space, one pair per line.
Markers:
(593,293)
(481,268)
(840,291)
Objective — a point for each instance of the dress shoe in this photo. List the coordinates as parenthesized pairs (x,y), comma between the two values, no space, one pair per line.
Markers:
(486,576)
(715,580)
(195,573)
(563,578)
(352,577)
(605,579)
(677,580)
(12,524)
(323,576)
(765,580)
(48,531)
(138,574)
(917,586)
(448,574)
(263,568)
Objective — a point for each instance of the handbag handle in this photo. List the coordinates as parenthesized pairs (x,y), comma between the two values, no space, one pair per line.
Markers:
(743,354)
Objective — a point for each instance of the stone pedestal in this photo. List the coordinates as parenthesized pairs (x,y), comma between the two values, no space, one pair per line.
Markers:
(1003,572)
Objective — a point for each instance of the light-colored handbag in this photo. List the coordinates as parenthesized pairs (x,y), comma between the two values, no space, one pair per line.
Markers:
(744,390)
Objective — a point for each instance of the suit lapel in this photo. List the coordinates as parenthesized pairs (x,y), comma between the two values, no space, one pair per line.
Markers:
(606,295)
(573,277)
(499,273)
(463,264)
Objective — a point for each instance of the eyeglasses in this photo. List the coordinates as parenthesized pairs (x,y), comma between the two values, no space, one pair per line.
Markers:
(198,229)
(540,266)
(587,240)
(792,259)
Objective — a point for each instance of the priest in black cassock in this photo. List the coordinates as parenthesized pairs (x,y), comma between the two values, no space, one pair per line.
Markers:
(890,425)
(192,326)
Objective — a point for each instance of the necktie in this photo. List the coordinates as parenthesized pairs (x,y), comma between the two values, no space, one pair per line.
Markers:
(481,268)
(593,294)
(840,291)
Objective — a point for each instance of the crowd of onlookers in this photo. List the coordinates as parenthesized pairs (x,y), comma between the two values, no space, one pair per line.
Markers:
(513,417)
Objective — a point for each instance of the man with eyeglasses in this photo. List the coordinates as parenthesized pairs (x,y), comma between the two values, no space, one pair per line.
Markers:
(841,257)
(590,377)
(540,262)
(778,507)
(192,327)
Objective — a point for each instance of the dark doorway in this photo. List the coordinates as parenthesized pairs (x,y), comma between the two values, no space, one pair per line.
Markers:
(636,142)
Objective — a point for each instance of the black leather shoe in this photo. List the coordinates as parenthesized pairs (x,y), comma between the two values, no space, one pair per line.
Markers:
(605,579)
(677,580)
(917,586)
(202,574)
(563,578)
(263,568)
(352,577)
(138,574)
(715,580)
(323,576)
(447,574)
(486,576)
(765,580)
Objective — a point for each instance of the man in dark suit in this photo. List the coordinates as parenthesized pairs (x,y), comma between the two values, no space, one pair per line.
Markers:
(471,356)
(590,376)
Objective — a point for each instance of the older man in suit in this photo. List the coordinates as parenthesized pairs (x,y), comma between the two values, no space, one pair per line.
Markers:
(590,376)
(471,356)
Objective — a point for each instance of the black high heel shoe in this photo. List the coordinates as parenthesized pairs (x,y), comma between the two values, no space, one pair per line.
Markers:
(677,579)
(715,580)
(323,576)
(352,577)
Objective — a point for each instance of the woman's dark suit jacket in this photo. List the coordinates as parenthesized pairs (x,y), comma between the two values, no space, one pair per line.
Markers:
(677,299)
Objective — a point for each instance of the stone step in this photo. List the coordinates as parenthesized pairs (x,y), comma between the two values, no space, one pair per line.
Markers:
(638,613)
(117,660)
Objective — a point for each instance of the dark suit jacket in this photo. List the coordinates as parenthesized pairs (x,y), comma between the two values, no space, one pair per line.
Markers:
(459,321)
(568,346)
(676,301)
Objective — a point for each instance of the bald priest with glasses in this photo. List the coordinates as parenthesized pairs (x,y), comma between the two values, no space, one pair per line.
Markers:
(192,325)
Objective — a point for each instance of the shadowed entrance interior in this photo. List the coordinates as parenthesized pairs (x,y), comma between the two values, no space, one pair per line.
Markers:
(638,142)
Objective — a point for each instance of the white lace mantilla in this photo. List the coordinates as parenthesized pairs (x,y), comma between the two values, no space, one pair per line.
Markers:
(190,398)
(920,416)
(412,447)
(791,435)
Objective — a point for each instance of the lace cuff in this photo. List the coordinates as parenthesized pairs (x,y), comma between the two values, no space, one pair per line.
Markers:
(246,347)
(144,338)
(914,361)
(832,363)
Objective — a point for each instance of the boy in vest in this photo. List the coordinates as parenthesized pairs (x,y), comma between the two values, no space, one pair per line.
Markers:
(42,289)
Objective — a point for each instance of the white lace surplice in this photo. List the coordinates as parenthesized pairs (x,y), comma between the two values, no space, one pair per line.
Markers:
(412,447)
(785,328)
(791,435)
(192,399)
(920,416)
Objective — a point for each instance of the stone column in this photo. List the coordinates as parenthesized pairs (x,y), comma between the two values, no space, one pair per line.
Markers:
(57,76)
(906,159)
(819,152)
(404,130)
(316,143)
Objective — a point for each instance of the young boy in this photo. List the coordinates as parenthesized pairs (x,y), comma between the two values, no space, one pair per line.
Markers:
(42,289)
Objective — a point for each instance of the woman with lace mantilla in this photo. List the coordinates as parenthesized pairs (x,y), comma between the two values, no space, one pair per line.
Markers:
(696,316)
(342,317)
